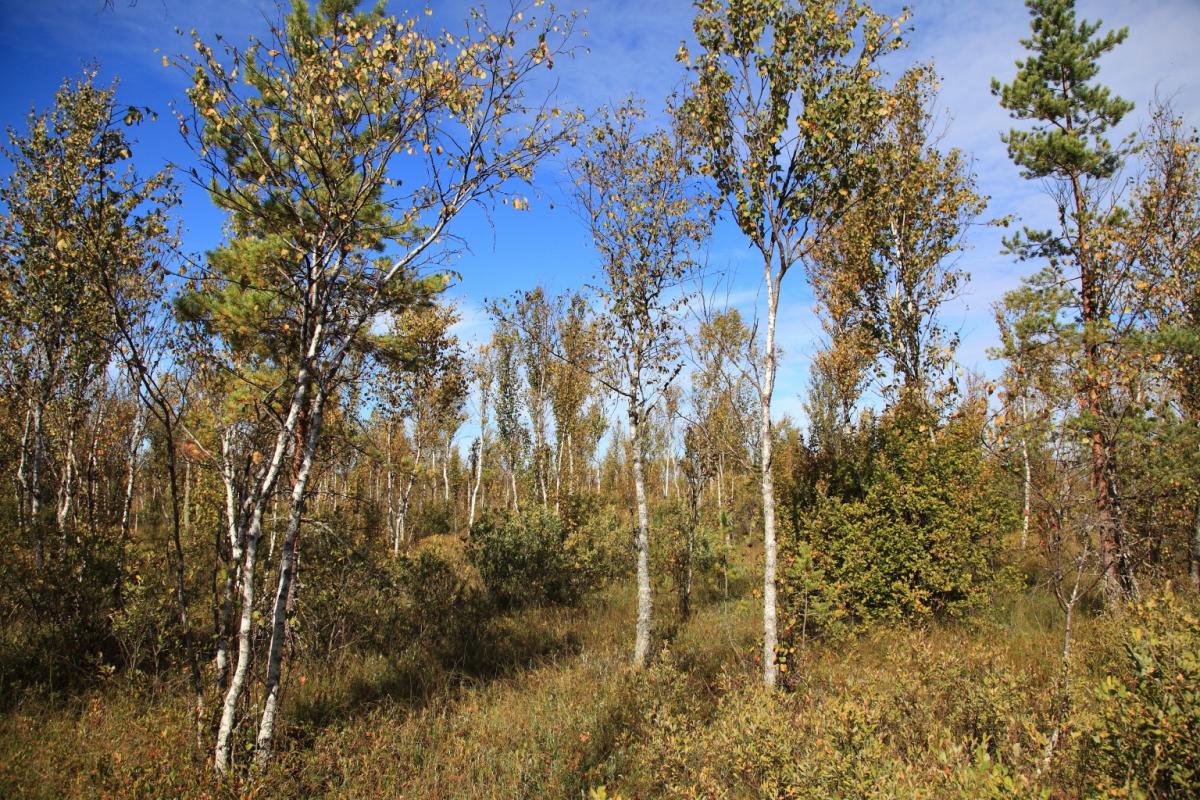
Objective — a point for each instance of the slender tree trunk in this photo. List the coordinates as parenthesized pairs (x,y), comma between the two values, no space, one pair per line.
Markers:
(180,568)
(135,439)
(33,484)
(242,666)
(513,478)
(22,469)
(287,567)
(1114,561)
(570,464)
(400,534)
(66,491)
(90,479)
(770,634)
(478,480)
(1025,513)
(232,553)
(725,541)
(641,647)
(693,521)
(251,519)
(558,472)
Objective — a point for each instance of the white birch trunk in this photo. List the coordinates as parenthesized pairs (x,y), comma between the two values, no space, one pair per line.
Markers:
(251,523)
(1025,514)
(32,488)
(232,569)
(65,490)
(477,481)
(770,635)
(641,647)
(266,728)
(513,479)
(400,534)
(446,473)
(135,439)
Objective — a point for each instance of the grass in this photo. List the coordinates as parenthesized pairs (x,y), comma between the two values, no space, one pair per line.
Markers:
(935,711)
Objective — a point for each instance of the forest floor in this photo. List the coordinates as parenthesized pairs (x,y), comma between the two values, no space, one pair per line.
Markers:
(938,711)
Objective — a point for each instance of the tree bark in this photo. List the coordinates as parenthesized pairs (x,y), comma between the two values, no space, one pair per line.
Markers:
(287,566)
(1114,559)
(65,491)
(135,439)
(478,480)
(770,633)
(1025,513)
(400,534)
(251,520)
(641,647)
(33,484)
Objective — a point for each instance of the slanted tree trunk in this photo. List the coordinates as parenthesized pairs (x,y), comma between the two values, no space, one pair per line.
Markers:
(251,521)
(65,490)
(400,533)
(287,569)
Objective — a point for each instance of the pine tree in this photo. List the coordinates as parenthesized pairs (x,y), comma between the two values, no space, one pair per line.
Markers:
(1066,146)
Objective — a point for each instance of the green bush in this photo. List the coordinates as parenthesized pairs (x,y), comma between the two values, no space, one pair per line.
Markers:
(598,543)
(522,557)
(1146,742)
(535,557)
(922,541)
(935,714)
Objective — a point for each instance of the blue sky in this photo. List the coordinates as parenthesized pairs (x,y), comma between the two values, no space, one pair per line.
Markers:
(631,50)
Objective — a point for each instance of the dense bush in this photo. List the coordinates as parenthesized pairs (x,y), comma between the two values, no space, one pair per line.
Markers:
(599,542)
(522,557)
(445,594)
(683,543)
(1146,742)
(922,540)
(533,557)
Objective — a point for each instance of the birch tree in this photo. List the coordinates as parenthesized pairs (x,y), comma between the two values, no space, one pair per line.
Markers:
(784,103)
(646,218)
(887,267)
(302,140)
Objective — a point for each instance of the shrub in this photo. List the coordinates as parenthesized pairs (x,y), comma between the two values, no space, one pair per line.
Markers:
(1146,742)
(534,557)
(445,596)
(522,557)
(922,541)
(599,545)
